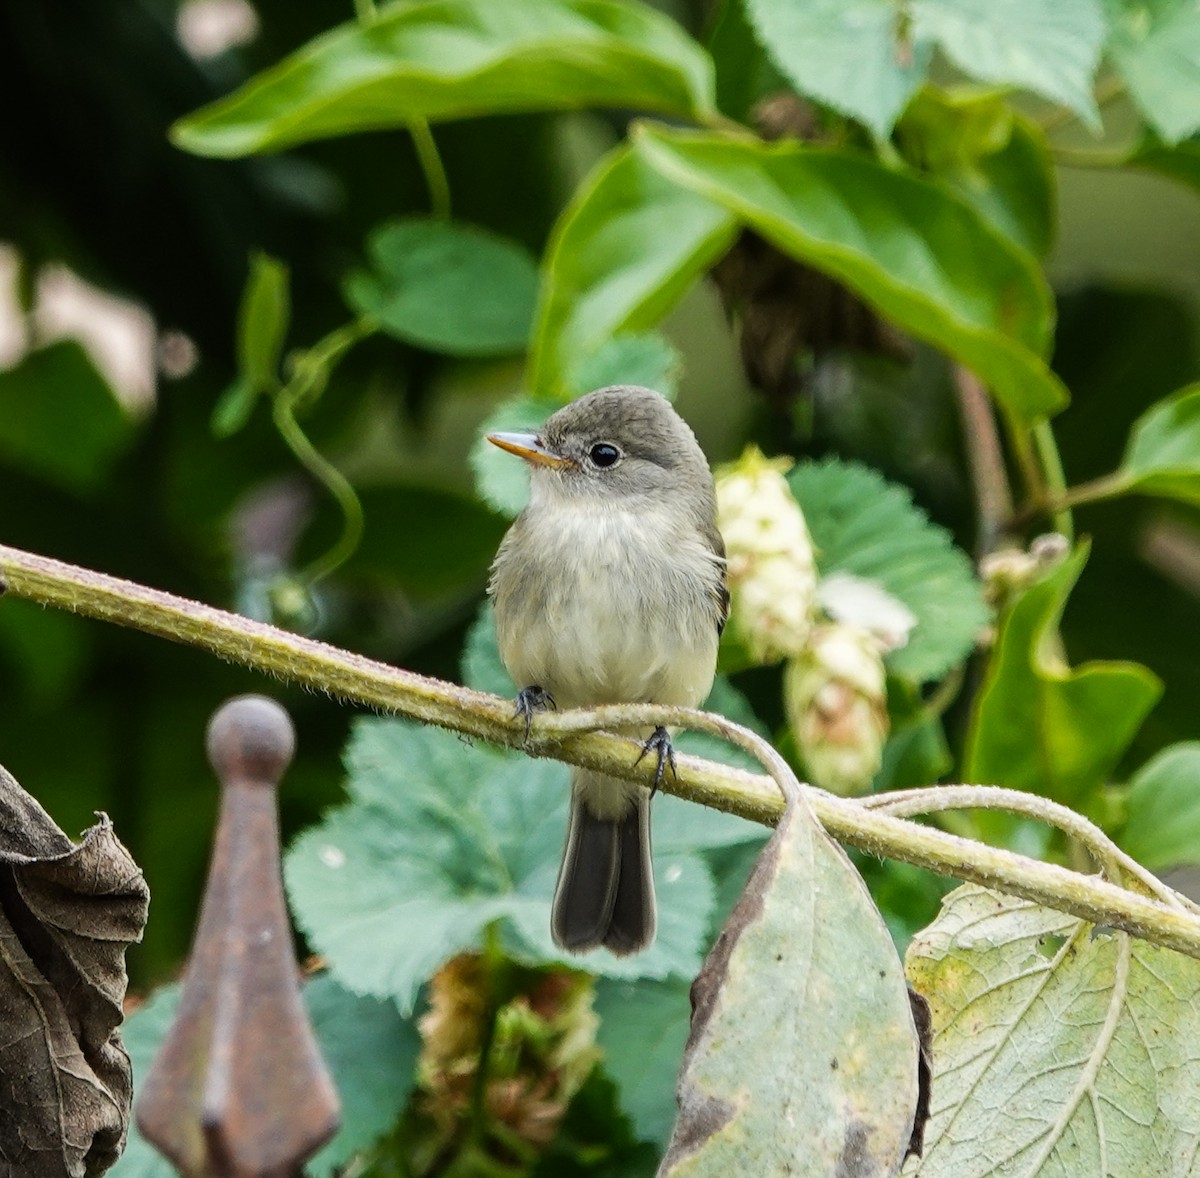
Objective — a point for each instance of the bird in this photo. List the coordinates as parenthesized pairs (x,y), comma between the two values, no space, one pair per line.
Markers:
(610,587)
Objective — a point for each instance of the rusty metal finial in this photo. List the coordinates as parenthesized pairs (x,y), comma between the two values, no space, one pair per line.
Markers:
(238,1088)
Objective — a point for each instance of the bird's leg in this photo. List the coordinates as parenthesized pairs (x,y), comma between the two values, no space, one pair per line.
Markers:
(533,699)
(659,744)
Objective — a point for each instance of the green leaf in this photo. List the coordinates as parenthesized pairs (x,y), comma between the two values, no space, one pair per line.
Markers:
(1155,45)
(853,55)
(623,252)
(501,479)
(447,287)
(802,1055)
(453,59)
(1040,725)
(1051,49)
(442,839)
(863,525)
(643,1027)
(263,322)
(640,358)
(921,256)
(1162,456)
(371,1052)
(1162,828)
(995,159)
(1057,1047)
(59,420)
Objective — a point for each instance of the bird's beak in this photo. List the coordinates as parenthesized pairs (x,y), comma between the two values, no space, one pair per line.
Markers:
(528,447)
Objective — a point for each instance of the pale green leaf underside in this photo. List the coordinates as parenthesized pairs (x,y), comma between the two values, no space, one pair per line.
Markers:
(1058,1049)
(442,838)
(848,54)
(1155,45)
(451,59)
(863,525)
(1050,48)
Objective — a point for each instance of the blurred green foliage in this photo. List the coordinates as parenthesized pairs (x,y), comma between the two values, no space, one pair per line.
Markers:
(454,238)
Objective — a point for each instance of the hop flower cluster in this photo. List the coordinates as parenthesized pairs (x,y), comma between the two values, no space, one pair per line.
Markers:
(772,573)
(834,678)
(836,701)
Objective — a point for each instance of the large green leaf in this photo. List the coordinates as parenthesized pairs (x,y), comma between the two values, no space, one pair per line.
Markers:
(1162,827)
(1040,725)
(371,1052)
(451,59)
(447,287)
(1163,453)
(919,254)
(1155,45)
(802,1056)
(59,420)
(1057,1048)
(623,252)
(863,525)
(1052,49)
(853,55)
(442,839)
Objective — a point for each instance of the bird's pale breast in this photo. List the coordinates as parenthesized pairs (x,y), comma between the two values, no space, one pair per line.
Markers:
(609,607)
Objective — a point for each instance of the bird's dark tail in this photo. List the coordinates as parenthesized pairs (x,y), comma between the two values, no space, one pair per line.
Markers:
(605,893)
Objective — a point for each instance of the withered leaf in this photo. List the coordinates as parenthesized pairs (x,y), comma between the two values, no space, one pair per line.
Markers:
(803,1058)
(67,914)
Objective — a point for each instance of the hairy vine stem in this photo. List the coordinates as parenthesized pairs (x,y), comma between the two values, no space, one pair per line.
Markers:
(572,737)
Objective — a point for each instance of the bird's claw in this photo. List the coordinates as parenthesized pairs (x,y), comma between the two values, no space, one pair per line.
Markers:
(530,700)
(659,744)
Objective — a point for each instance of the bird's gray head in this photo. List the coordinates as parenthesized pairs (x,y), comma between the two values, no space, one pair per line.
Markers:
(619,442)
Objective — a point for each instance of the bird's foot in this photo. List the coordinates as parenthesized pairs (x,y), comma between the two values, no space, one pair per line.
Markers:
(660,745)
(530,700)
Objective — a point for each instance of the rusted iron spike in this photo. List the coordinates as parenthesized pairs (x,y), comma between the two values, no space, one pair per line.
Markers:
(239,1088)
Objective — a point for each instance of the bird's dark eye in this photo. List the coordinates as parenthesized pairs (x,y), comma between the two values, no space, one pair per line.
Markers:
(602,454)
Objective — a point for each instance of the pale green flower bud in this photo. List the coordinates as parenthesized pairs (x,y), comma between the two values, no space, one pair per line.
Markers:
(836,701)
(772,576)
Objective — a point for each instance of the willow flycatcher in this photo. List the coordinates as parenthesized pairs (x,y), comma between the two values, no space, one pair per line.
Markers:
(610,588)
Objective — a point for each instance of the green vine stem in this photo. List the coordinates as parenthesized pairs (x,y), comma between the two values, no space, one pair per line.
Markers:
(432,167)
(1115,863)
(311,370)
(1046,446)
(1108,486)
(572,737)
